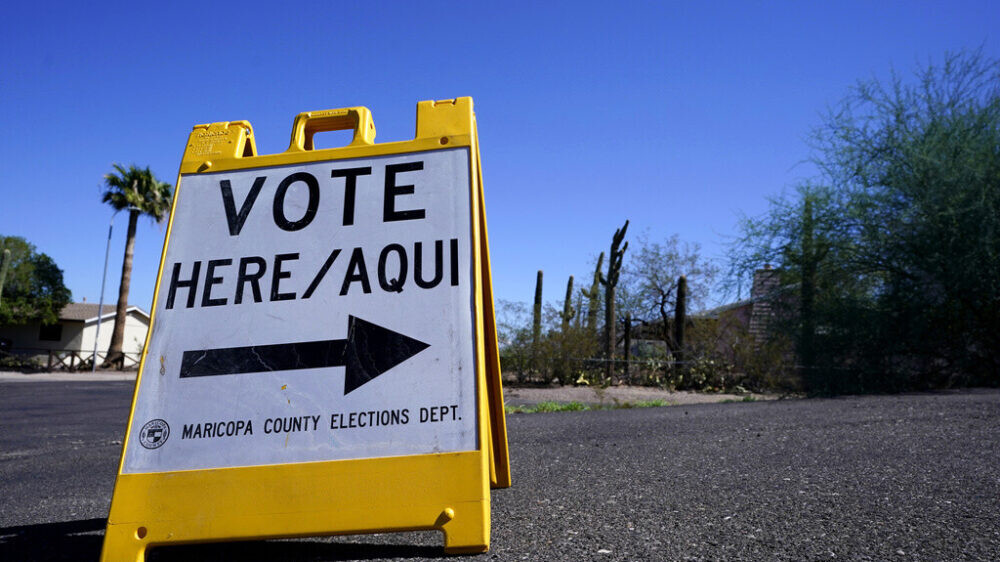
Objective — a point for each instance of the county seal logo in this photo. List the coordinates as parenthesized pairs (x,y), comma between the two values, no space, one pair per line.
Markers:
(154,434)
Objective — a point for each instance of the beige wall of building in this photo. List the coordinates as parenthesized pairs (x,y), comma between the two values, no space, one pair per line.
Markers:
(75,332)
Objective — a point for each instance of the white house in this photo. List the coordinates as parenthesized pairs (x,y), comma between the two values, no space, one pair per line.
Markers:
(74,334)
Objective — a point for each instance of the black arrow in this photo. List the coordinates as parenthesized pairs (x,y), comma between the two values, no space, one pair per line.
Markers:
(368,351)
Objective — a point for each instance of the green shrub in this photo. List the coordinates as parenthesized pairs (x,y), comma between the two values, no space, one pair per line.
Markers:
(20,363)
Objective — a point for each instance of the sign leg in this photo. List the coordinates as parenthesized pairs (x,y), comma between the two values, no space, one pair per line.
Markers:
(123,544)
(466,528)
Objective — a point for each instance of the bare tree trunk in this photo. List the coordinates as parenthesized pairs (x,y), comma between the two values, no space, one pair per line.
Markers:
(115,355)
(680,317)
(628,347)
(665,324)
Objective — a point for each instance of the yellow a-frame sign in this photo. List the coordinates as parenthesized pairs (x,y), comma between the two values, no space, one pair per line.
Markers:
(322,357)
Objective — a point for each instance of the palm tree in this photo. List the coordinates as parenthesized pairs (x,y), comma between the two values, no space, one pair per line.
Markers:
(138,191)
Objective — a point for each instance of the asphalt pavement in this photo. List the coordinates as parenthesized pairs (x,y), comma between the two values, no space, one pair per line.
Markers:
(904,477)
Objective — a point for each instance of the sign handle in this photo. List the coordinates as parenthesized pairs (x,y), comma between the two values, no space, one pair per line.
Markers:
(307,124)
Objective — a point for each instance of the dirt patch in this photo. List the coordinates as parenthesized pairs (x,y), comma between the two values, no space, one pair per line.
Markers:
(63,376)
(529,396)
(513,395)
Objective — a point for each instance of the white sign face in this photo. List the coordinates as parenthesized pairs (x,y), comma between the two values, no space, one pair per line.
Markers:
(313,312)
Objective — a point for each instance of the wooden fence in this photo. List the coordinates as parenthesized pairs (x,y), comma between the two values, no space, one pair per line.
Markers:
(68,359)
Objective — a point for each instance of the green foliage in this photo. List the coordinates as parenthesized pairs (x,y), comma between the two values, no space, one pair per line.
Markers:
(551,406)
(725,357)
(514,338)
(539,344)
(4,263)
(20,363)
(137,188)
(892,264)
(560,354)
(547,347)
(650,404)
(33,287)
(719,360)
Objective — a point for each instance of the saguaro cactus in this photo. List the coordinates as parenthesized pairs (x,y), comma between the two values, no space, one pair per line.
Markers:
(536,322)
(577,309)
(594,296)
(4,262)
(567,315)
(610,281)
(680,316)
(568,311)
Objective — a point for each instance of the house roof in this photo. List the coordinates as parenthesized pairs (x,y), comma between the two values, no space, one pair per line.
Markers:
(87,312)
(719,310)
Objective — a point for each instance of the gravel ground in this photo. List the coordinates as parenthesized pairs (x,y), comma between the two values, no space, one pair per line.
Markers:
(526,396)
(904,477)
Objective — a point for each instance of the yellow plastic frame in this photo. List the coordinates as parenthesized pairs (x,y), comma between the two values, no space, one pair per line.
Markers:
(447,492)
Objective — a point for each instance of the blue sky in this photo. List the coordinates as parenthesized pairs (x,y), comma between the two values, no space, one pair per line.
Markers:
(678,116)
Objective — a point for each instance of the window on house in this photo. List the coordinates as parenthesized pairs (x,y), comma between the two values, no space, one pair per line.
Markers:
(51,332)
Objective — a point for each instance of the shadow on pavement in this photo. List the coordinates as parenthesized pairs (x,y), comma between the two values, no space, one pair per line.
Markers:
(82,540)
(290,551)
(68,540)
